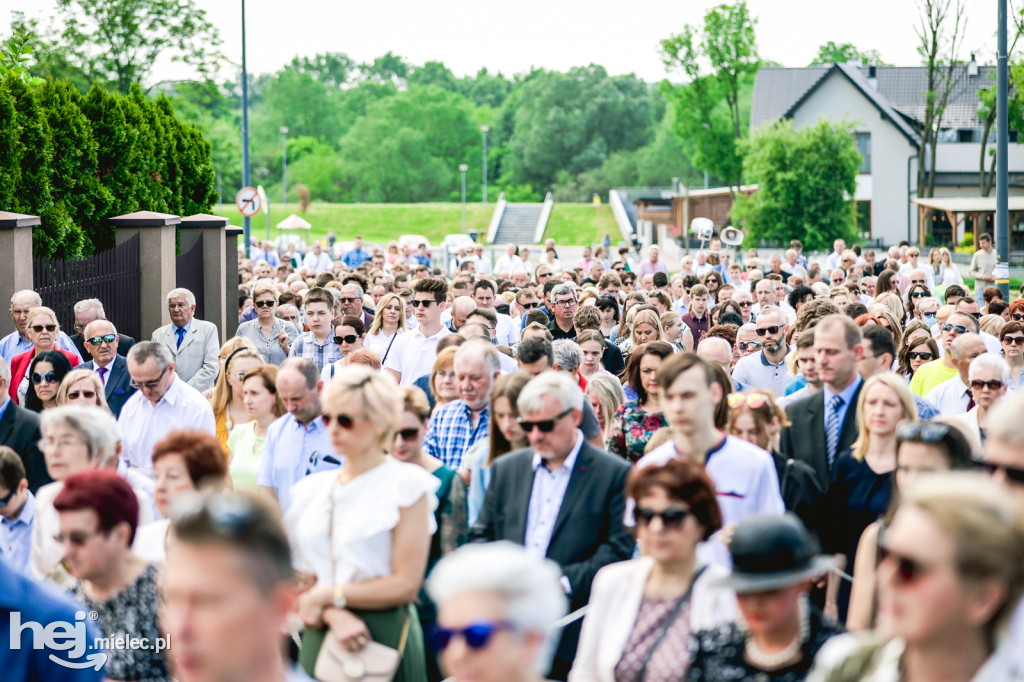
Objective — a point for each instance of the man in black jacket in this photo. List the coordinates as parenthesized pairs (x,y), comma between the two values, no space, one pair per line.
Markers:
(561,498)
(19,430)
(111,367)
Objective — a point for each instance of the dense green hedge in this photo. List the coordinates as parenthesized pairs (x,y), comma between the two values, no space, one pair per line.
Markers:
(76,161)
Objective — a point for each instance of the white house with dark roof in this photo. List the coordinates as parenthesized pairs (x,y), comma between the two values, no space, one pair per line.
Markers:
(886,107)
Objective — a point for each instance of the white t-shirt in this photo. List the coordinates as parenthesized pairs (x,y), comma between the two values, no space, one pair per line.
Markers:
(413,354)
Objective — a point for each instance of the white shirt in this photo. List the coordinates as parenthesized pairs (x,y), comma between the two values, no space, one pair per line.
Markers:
(509,264)
(143,425)
(379,343)
(507,333)
(413,354)
(950,397)
(321,263)
(104,376)
(546,499)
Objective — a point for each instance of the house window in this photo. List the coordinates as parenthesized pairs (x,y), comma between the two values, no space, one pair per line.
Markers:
(864,147)
(862,216)
(965,135)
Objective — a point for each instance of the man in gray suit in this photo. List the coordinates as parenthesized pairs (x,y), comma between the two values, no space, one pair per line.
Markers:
(101,342)
(194,344)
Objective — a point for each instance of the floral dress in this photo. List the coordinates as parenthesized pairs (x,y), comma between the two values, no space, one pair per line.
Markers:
(633,426)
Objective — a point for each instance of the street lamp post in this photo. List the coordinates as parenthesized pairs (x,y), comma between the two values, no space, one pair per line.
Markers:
(245,133)
(484,129)
(284,165)
(462,169)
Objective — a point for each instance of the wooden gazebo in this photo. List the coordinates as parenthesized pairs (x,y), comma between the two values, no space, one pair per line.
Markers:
(958,209)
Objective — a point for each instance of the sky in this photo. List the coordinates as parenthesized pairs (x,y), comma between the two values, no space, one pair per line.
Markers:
(553,34)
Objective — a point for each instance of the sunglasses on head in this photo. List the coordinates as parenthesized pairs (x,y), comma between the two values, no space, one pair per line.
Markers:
(351,338)
(958,328)
(1013,340)
(671,519)
(993,385)
(75,395)
(344,420)
(907,570)
(749,345)
(927,432)
(37,328)
(100,340)
(476,635)
(920,355)
(751,400)
(1013,474)
(50,378)
(265,304)
(545,425)
(774,329)
(416,302)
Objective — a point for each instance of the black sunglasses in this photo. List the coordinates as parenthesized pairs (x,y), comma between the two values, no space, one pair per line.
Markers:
(351,338)
(529,306)
(476,635)
(37,328)
(264,304)
(774,329)
(1014,340)
(920,355)
(919,294)
(958,328)
(1012,473)
(100,340)
(416,303)
(671,519)
(907,570)
(993,385)
(5,500)
(746,304)
(50,378)
(545,425)
(1017,317)
(408,434)
(75,395)
(344,420)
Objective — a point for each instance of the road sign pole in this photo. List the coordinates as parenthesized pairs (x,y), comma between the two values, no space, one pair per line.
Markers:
(245,131)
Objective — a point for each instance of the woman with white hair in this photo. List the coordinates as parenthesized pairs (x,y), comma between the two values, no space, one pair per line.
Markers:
(989,376)
(497,608)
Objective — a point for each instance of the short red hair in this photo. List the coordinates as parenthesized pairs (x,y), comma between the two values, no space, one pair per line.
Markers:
(684,481)
(105,493)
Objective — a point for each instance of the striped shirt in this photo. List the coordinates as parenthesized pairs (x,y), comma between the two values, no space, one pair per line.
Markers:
(269,348)
(306,346)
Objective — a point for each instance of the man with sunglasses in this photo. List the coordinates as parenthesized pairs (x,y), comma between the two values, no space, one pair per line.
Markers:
(931,374)
(101,341)
(768,368)
(415,351)
(969,306)
(86,312)
(746,304)
(955,395)
(561,498)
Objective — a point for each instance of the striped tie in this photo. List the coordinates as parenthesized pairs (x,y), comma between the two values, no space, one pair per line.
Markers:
(832,428)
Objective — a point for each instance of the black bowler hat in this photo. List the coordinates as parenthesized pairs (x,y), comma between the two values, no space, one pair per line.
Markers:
(770,552)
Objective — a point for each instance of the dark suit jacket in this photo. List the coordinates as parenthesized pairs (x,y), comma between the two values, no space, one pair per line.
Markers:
(124,344)
(804,438)
(19,430)
(588,532)
(119,384)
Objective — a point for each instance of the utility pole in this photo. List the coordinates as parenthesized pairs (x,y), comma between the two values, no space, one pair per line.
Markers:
(245,132)
(1002,270)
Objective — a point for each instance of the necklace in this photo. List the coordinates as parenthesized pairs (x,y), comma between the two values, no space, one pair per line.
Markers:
(766,661)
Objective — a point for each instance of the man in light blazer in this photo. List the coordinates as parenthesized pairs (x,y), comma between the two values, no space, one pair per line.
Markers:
(561,498)
(111,366)
(194,344)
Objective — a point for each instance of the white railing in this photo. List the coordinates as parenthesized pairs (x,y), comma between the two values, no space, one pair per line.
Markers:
(542,220)
(621,217)
(499,210)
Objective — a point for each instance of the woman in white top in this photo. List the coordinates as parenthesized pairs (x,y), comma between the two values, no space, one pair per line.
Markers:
(183,462)
(951,273)
(643,612)
(388,323)
(362,533)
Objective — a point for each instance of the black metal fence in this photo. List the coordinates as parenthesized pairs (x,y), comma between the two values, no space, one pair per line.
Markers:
(111,276)
(189,274)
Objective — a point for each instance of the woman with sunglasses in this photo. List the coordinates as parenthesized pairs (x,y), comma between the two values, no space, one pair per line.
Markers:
(227,400)
(949,576)
(916,352)
(643,612)
(388,324)
(637,420)
(361,533)
(915,293)
(245,444)
(348,335)
(861,485)
(779,631)
(1011,338)
(42,330)
(82,387)
(46,371)
(924,449)
(989,377)
(271,335)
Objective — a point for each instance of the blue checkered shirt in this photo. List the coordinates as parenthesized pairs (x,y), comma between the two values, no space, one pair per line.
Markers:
(450,433)
(306,346)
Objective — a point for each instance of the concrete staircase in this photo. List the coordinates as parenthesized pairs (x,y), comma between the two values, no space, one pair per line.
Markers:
(518,224)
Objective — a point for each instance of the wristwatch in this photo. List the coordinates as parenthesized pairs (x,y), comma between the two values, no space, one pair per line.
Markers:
(339,597)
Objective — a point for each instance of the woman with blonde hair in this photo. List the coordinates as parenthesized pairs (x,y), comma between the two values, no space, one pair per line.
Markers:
(676,333)
(245,444)
(361,533)
(605,395)
(951,273)
(646,327)
(892,301)
(82,387)
(861,484)
(43,330)
(442,378)
(388,323)
(227,401)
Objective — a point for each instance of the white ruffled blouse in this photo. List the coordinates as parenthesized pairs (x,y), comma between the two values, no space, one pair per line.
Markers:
(366,511)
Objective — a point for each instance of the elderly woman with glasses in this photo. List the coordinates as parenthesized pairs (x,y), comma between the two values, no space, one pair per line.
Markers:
(46,372)
(82,387)
(43,331)
(951,572)
(989,378)
(271,335)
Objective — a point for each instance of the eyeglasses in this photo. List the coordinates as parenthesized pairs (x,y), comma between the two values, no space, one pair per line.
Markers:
(751,267)
(919,294)
(1013,340)
(774,329)
(746,304)
(264,304)
(50,378)
(417,302)
(1013,474)
(920,355)
(51,445)
(545,425)
(957,328)
(927,432)
(565,303)
(907,570)
(151,385)
(77,537)
(476,635)
(37,328)
(351,338)
(671,519)
(409,434)
(348,299)
(993,385)
(75,395)
(976,316)
(344,420)
(100,340)
(751,400)
(915,282)
(749,345)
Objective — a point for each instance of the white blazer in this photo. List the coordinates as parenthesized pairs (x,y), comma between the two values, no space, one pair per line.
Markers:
(196,361)
(615,600)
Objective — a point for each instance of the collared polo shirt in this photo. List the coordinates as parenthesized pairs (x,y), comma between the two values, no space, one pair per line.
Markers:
(321,354)
(755,371)
(414,353)
(929,375)
(291,452)
(451,433)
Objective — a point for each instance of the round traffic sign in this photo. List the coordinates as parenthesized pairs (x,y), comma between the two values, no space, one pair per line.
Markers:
(248,201)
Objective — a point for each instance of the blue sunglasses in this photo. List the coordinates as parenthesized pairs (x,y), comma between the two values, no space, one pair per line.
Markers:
(476,635)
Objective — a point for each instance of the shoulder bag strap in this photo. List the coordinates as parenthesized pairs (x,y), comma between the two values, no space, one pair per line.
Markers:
(668,624)
(393,337)
(785,476)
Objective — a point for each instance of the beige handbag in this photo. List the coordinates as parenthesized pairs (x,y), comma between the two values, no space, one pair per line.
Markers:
(375,662)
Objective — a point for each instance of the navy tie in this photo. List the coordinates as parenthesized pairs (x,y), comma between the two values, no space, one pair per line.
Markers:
(832,426)
(180,331)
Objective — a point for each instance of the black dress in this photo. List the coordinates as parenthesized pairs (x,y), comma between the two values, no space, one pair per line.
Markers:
(718,654)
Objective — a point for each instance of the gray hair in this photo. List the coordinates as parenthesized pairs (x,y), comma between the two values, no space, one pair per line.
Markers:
(305,367)
(289,306)
(103,320)
(568,355)
(989,361)
(558,385)
(180,291)
(144,350)
(90,304)
(5,370)
(562,289)
(97,426)
(529,587)
(485,349)
(37,300)
(355,286)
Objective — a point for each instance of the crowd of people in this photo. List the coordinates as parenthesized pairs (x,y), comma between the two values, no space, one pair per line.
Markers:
(773,469)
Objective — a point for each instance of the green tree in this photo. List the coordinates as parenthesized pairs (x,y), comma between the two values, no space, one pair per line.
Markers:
(804,178)
(384,163)
(334,69)
(831,53)
(719,61)
(48,59)
(485,89)
(386,68)
(433,73)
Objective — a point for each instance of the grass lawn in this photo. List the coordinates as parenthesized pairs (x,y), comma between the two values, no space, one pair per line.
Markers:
(582,224)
